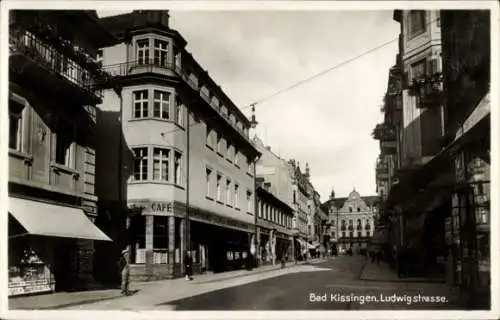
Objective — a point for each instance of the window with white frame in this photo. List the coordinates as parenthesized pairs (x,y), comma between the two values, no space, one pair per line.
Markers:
(161,105)
(249,201)
(160,52)
(236,195)
(142,51)
(141,104)
(208,181)
(160,164)
(177,168)
(179,111)
(219,187)
(140,164)
(228,192)
(15,125)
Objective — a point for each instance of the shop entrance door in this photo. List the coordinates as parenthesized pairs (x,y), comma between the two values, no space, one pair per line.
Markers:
(63,267)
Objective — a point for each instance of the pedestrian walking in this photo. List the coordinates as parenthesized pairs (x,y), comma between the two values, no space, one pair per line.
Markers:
(188,265)
(125,272)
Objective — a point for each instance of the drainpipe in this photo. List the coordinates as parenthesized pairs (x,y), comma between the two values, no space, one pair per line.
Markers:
(187,226)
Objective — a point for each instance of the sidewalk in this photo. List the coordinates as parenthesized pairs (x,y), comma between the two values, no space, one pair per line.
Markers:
(383,272)
(69,299)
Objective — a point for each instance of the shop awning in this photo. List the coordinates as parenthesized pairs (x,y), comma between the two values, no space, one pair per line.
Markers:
(44,219)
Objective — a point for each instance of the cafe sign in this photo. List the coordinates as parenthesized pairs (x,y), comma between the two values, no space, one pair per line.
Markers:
(160,208)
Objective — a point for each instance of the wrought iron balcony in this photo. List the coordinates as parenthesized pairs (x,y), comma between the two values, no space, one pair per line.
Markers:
(384,132)
(163,67)
(428,91)
(62,66)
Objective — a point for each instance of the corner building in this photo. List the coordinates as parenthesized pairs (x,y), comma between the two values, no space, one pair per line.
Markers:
(186,172)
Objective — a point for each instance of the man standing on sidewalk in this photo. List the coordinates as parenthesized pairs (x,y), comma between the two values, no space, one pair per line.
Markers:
(125,272)
(188,265)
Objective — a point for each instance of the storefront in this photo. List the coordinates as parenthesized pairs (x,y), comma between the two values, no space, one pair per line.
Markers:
(160,238)
(50,247)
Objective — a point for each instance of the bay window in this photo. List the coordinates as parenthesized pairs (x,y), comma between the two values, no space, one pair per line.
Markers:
(160,52)
(160,164)
(161,105)
(141,103)
(142,51)
(177,168)
(140,164)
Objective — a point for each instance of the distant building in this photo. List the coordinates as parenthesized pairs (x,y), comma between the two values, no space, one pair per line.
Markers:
(53,73)
(187,170)
(274,206)
(351,220)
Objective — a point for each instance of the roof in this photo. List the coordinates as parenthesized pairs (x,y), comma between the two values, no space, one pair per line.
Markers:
(339,202)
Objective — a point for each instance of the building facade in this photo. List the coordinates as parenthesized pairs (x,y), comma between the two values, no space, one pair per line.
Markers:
(186,174)
(53,92)
(274,226)
(275,193)
(435,201)
(351,220)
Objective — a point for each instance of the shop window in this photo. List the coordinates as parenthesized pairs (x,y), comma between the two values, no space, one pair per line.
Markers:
(160,164)
(138,230)
(160,240)
(140,164)
(141,104)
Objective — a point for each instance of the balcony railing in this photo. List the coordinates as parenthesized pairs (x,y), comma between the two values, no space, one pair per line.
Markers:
(384,132)
(428,91)
(58,59)
(157,65)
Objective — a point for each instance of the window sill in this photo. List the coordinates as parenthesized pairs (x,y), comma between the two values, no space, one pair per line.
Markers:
(237,165)
(62,168)
(157,182)
(237,209)
(210,147)
(158,119)
(219,202)
(229,206)
(21,155)
(220,154)
(229,160)
(250,174)
(249,213)
(209,198)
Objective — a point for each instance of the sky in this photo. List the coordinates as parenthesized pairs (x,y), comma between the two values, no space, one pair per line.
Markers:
(326,122)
